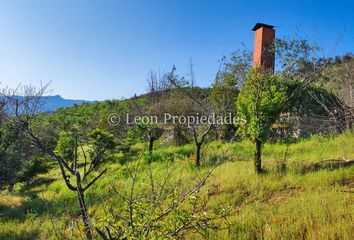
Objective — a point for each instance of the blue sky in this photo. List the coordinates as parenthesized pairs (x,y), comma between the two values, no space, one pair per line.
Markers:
(99,50)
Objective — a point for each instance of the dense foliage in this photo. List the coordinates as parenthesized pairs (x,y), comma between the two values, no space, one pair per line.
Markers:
(260,101)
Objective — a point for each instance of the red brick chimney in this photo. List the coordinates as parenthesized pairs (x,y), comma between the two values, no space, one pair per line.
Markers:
(263,54)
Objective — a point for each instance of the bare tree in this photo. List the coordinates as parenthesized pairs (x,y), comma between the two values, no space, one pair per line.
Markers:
(300,64)
(149,131)
(339,79)
(157,86)
(163,208)
(26,109)
(200,105)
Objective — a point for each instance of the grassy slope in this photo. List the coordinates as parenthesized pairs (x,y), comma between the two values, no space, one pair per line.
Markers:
(301,203)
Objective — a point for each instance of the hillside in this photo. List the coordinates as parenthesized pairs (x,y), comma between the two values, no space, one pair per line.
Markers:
(211,124)
(52,103)
(295,199)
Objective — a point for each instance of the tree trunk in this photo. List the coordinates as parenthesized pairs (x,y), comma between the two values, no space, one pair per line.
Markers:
(197,154)
(258,157)
(151,144)
(87,229)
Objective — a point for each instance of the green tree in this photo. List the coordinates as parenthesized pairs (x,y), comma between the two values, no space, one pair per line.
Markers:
(232,74)
(259,102)
(66,145)
(101,143)
(19,161)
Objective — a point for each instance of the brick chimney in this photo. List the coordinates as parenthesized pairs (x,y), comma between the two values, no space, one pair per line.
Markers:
(263,54)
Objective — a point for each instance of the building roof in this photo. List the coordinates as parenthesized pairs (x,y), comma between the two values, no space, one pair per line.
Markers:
(259,25)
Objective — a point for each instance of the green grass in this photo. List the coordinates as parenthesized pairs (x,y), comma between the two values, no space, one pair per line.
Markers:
(295,203)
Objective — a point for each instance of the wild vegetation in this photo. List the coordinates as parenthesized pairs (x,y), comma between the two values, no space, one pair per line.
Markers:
(78,173)
(296,198)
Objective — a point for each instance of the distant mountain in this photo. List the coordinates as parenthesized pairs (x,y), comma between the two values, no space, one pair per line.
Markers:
(52,103)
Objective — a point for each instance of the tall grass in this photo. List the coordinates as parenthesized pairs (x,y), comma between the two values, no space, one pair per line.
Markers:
(291,204)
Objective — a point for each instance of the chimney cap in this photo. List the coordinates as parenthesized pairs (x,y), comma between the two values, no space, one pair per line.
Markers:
(259,25)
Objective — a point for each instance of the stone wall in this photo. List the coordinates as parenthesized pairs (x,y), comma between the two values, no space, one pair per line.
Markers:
(311,125)
(298,127)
